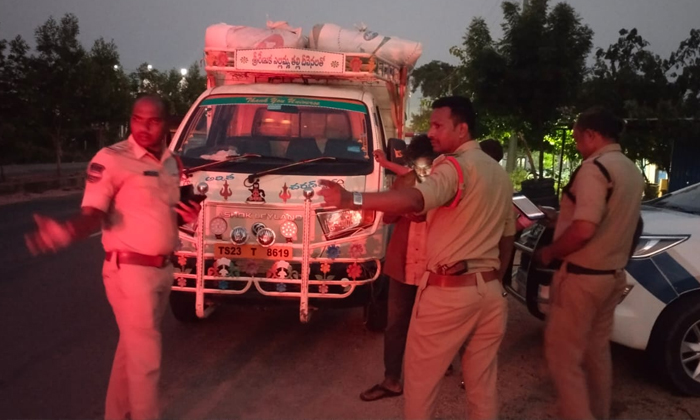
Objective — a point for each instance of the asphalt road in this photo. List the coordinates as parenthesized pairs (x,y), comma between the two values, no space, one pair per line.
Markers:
(59,335)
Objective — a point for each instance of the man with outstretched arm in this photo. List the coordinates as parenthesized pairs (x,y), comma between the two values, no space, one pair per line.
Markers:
(132,192)
(468,201)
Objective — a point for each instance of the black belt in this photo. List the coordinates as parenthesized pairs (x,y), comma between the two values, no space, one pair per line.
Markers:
(577,269)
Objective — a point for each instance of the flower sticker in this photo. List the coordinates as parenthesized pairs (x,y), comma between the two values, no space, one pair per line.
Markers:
(325,268)
(181,282)
(281,287)
(333,252)
(182,260)
(335,64)
(252,267)
(357,250)
(223,285)
(354,271)
(211,271)
(323,288)
(233,270)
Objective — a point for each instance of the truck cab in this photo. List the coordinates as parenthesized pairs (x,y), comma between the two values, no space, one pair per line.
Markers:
(270,125)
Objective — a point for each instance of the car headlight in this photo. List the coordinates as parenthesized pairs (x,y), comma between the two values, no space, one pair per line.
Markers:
(339,223)
(650,245)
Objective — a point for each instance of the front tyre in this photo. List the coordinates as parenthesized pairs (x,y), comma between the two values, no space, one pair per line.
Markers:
(674,346)
(182,305)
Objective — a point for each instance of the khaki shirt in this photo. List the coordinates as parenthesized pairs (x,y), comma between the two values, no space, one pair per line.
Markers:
(470,231)
(138,193)
(616,219)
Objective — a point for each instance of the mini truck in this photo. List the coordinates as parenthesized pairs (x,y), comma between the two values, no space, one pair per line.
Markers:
(271,123)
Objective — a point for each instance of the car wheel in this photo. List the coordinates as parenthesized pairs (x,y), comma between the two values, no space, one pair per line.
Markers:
(674,346)
(182,305)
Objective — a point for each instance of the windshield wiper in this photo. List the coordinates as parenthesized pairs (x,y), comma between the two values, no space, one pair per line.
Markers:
(255,175)
(228,159)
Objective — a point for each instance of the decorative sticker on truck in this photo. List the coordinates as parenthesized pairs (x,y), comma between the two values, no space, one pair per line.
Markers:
(307,61)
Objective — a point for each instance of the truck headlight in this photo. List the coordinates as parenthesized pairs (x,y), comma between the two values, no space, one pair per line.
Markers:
(339,223)
(650,245)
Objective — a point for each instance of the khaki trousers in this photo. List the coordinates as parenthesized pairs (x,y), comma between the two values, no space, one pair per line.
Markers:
(139,298)
(443,319)
(577,342)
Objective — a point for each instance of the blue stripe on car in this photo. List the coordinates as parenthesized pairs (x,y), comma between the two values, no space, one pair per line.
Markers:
(649,277)
(681,280)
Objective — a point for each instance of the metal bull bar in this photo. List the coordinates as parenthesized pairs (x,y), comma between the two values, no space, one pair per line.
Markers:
(200,276)
(304,314)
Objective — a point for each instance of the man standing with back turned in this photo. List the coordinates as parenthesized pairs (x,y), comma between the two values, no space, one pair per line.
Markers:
(468,200)
(132,192)
(592,240)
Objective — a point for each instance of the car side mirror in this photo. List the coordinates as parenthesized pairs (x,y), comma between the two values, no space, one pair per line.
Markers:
(397,151)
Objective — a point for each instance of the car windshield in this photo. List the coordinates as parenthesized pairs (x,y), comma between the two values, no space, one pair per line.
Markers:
(280,130)
(686,200)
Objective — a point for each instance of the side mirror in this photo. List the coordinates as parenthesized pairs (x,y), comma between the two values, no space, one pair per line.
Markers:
(397,151)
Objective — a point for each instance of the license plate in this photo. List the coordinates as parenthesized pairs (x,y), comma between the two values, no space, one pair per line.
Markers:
(252,252)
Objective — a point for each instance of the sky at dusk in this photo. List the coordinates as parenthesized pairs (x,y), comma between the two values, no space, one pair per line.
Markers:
(170,33)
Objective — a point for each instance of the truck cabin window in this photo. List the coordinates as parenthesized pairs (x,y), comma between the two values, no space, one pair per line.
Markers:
(279,129)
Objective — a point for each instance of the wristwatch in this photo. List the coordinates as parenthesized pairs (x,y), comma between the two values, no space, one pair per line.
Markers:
(357,199)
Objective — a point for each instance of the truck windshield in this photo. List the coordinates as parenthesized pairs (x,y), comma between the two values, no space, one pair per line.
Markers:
(279,129)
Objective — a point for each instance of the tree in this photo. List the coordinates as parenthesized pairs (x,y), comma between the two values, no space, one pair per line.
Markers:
(685,66)
(420,121)
(178,91)
(632,81)
(194,84)
(108,91)
(18,123)
(57,76)
(524,81)
(534,72)
(435,79)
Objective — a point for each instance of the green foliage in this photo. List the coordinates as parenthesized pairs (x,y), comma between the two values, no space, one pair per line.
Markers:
(63,102)
(420,122)
(434,79)
(525,81)
(517,177)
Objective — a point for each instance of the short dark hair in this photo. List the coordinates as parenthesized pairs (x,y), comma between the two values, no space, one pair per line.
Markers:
(155,100)
(461,109)
(492,148)
(420,147)
(602,121)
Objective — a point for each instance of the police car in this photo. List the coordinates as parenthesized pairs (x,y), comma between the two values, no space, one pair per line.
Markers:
(660,309)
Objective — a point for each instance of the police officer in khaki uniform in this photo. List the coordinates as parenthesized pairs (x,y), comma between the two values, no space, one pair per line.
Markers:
(132,192)
(594,232)
(468,200)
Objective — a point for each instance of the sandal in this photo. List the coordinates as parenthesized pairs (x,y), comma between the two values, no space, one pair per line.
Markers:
(378,392)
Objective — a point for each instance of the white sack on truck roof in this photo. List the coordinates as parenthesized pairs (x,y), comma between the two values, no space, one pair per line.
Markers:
(333,38)
(276,35)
